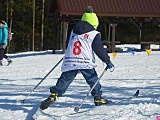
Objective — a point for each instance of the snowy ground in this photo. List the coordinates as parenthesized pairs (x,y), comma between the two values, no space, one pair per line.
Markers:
(132,72)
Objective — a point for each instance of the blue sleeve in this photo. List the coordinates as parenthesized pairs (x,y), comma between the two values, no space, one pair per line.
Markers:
(99,50)
(5,35)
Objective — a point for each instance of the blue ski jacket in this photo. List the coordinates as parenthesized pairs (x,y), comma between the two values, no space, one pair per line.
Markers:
(4,34)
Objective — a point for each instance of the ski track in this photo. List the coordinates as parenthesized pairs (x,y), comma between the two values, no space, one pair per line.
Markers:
(132,72)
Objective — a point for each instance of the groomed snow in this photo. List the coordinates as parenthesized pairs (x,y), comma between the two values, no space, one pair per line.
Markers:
(132,72)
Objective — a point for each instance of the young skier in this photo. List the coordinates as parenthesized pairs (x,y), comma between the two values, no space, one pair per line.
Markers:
(3,42)
(82,46)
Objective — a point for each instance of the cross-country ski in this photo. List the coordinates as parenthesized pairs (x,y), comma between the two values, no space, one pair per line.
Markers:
(40,113)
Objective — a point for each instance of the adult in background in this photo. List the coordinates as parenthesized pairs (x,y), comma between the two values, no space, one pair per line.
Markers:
(3,41)
(82,46)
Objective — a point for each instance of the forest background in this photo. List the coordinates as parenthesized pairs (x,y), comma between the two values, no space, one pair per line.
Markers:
(33,30)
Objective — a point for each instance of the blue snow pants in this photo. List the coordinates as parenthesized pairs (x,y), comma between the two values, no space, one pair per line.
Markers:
(66,79)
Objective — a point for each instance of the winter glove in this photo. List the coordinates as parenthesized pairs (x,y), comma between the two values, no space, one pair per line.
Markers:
(110,66)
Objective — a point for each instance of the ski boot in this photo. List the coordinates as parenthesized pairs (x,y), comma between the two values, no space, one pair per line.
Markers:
(98,100)
(1,64)
(46,103)
(9,62)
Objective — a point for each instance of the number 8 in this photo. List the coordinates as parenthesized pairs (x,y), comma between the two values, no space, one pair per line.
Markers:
(77,49)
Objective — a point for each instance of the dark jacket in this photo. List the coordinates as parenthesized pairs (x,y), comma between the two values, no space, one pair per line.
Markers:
(83,27)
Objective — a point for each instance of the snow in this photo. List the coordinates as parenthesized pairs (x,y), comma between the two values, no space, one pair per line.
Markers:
(132,72)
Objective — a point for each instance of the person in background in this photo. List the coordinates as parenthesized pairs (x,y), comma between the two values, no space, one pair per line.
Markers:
(82,46)
(3,42)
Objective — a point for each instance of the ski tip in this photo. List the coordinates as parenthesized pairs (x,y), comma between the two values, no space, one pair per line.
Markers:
(136,94)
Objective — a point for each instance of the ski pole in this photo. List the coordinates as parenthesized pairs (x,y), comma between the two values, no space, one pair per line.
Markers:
(76,109)
(22,101)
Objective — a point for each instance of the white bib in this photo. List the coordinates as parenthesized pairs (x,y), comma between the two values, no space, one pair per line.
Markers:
(79,53)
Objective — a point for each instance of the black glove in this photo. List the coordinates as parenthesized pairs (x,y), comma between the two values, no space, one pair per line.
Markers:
(110,66)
